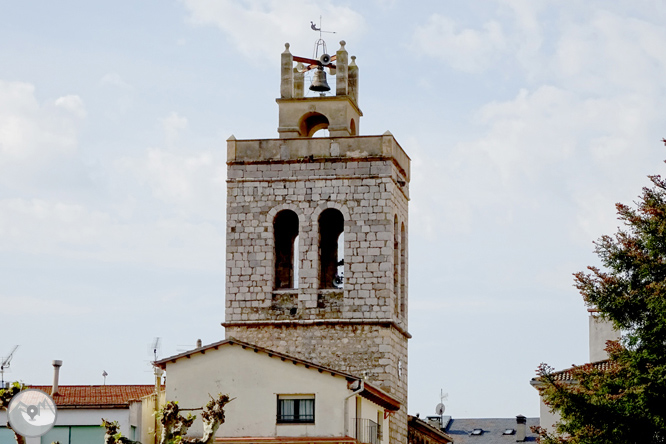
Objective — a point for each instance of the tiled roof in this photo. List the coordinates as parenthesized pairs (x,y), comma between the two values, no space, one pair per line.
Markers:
(567,376)
(370,392)
(418,428)
(96,396)
(493,428)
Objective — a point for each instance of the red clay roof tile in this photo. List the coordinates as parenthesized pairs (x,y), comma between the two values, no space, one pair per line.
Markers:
(96,396)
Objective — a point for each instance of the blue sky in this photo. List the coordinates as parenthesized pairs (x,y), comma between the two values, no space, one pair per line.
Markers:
(526,120)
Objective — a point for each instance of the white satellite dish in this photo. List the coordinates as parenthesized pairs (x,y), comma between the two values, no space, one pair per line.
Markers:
(440,409)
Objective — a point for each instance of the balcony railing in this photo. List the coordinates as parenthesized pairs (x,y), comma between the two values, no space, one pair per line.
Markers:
(366,431)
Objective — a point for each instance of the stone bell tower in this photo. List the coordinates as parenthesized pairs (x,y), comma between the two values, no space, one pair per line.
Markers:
(317,236)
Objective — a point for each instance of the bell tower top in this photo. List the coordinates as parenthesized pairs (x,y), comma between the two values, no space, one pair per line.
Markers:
(300,116)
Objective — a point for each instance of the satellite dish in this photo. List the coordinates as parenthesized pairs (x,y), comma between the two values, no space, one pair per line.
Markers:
(440,409)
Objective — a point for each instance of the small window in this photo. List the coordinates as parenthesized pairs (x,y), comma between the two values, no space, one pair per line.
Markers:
(295,409)
(509,432)
(477,432)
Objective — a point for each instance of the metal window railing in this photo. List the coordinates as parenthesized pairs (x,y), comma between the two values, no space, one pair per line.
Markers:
(367,431)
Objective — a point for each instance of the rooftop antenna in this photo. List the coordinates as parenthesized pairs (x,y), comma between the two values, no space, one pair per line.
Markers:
(104,375)
(155,347)
(5,365)
(440,408)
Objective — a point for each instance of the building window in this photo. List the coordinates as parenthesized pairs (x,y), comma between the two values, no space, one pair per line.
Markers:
(403,270)
(396,264)
(285,230)
(331,249)
(295,409)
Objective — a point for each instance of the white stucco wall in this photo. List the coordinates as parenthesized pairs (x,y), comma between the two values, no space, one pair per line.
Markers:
(547,419)
(255,380)
(370,410)
(600,332)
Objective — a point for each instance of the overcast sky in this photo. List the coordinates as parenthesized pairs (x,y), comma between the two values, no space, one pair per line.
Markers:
(525,120)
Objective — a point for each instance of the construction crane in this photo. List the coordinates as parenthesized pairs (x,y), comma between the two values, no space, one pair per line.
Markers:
(5,365)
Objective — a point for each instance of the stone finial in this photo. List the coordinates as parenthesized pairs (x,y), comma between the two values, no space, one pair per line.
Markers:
(352,81)
(341,61)
(287,73)
(231,148)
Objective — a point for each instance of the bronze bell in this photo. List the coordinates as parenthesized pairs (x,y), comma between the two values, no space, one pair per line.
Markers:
(319,80)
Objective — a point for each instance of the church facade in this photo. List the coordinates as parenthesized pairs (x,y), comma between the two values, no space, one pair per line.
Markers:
(317,237)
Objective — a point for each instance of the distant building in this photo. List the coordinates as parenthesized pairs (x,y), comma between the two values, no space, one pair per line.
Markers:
(491,430)
(423,432)
(81,409)
(600,332)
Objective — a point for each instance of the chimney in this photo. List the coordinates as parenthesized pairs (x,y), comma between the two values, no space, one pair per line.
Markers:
(600,332)
(199,343)
(56,373)
(521,428)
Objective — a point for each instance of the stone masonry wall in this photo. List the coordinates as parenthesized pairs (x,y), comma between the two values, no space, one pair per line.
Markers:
(358,329)
(368,197)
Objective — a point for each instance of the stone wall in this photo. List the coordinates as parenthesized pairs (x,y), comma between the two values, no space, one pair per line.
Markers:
(360,328)
(368,194)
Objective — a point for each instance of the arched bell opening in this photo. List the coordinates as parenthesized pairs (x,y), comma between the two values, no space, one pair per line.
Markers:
(310,123)
(352,127)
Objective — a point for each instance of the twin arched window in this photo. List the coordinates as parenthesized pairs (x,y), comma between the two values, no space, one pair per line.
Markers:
(330,249)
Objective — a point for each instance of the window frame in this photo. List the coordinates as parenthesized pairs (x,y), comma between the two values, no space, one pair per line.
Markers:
(298,417)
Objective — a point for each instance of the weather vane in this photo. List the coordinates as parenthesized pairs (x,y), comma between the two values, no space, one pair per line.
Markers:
(320,42)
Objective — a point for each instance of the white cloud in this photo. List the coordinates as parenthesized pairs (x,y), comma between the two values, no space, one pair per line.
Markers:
(470,50)
(41,227)
(178,178)
(73,104)
(257,27)
(114,79)
(32,133)
(173,124)
(190,181)
(611,51)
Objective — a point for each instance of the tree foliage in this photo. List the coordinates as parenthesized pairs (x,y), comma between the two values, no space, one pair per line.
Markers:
(6,395)
(175,425)
(623,400)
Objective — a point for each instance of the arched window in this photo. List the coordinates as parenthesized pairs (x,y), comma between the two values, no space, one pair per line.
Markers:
(331,262)
(285,232)
(403,269)
(396,263)
(310,123)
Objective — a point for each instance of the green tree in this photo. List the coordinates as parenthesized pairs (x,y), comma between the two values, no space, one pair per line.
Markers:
(623,400)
